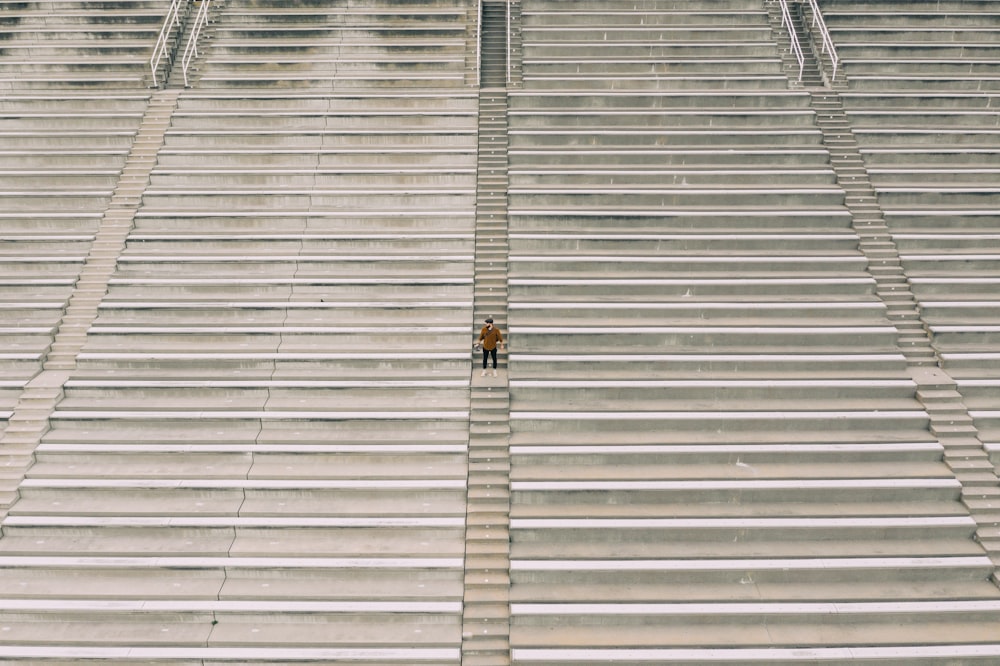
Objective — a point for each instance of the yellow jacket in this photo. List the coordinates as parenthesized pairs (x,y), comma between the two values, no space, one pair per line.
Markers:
(490,337)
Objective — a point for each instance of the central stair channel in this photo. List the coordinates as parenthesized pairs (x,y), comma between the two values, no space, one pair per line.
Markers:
(486,622)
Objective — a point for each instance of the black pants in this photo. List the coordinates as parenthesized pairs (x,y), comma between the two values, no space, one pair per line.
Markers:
(487,353)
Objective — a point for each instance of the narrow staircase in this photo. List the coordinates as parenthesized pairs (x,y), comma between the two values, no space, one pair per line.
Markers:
(486,620)
(493,57)
(876,241)
(30,418)
(812,77)
(950,420)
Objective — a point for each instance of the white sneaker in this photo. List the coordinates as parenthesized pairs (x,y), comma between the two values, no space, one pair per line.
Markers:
(494,373)
(483,374)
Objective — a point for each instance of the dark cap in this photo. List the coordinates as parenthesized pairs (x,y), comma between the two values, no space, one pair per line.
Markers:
(489,320)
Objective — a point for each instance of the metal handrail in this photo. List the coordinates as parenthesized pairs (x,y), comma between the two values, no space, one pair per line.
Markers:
(786,21)
(828,46)
(191,50)
(160,49)
(479,44)
(509,47)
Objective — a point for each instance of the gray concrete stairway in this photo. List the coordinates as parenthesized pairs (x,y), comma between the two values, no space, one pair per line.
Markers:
(686,410)
(748,413)
(78,45)
(950,417)
(869,222)
(646,45)
(493,56)
(265,426)
(491,210)
(811,74)
(276,384)
(29,418)
(921,86)
(890,45)
(486,618)
(486,626)
(378,44)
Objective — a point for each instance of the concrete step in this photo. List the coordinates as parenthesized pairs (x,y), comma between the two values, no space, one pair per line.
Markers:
(651,581)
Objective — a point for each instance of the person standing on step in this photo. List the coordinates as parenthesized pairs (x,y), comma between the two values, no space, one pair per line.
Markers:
(490,339)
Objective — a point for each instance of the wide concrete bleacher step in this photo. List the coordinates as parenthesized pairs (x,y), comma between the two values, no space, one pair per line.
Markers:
(79,46)
(707,445)
(63,154)
(309,502)
(650,424)
(282,532)
(657,626)
(383,46)
(929,147)
(578,49)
